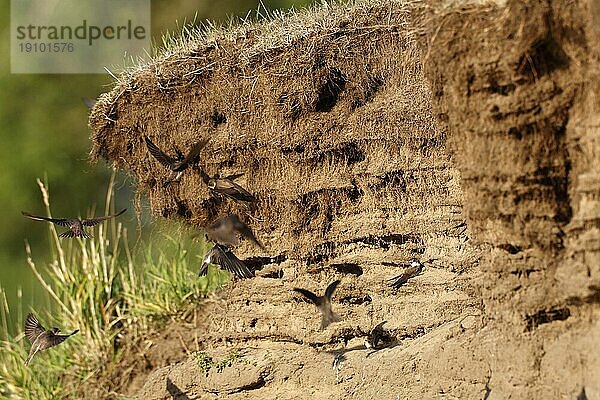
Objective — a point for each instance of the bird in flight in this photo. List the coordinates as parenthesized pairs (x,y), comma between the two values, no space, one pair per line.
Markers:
(225,231)
(227,187)
(179,164)
(76,226)
(223,256)
(323,303)
(414,268)
(40,337)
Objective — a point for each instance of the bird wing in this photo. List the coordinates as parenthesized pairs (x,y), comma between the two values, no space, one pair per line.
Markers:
(230,262)
(54,340)
(398,281)
(316,300)
(376,334)
(57,221)
(158,154)
(222,231)
(206,261)
(241,227)
(401,279)
(68,234)
(232,190)
(331,288)
(234,176)
(203,268)
(71,234)
(97,220)
(377,327)
(33,328)
(194,151)
(204,176)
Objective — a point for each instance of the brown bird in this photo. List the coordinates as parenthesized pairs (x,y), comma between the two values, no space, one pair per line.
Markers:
(414,268)
(75,225)
(225,230)
(176,165)
(375,336)
(223,256)
(323,303)
(40,338)
(227,187)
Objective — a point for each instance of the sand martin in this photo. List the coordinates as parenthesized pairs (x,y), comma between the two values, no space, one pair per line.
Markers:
(75,225)
(375,336)
(414,268)
(225,231)
(40,338)
(176,165)
(227,187)
(222,256)
(323,303)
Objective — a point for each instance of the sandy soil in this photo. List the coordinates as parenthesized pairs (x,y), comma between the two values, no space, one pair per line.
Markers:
(462,134)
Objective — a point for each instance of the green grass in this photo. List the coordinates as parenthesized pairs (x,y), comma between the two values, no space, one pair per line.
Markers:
(99,287)
(206,363)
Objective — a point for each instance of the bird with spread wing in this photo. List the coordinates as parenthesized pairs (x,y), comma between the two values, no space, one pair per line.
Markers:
(323,303)
(179,164)
(227,187)
(76,225)
(224,233)
(40,337)
(226,230)
(223,256)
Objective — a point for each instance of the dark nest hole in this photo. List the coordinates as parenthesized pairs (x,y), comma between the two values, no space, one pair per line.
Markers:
(546,316)
(543,57)
(330,90)
(510,249)
(348,268)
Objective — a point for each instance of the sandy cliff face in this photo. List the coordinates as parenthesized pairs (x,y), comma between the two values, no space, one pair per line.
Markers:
(518,85)
(463,135)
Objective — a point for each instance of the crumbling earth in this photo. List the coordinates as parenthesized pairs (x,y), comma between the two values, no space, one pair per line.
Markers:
(461,133)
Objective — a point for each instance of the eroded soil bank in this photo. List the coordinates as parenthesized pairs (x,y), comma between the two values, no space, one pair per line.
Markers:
(464,135)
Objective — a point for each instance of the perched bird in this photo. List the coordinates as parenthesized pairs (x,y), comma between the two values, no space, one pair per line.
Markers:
(415,267)
(176,165)
(375,336)
(225,231)
(89,103)
(323,303)
(75,225)
(227,187)
(40,338)
(221,255)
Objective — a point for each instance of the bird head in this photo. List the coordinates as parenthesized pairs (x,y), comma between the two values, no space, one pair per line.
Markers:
(416,263)
(212,184)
